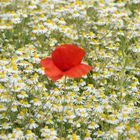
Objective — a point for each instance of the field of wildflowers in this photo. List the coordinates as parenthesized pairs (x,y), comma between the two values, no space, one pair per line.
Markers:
(103,104)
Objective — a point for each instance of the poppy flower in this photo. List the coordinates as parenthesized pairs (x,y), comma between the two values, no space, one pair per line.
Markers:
(65,60)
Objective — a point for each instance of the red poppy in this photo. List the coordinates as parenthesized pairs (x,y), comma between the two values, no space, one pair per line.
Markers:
(65,61)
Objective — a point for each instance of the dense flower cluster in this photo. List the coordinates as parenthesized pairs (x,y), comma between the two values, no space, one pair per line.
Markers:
(104,104)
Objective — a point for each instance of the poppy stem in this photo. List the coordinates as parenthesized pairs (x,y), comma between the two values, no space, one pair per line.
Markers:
(62,127)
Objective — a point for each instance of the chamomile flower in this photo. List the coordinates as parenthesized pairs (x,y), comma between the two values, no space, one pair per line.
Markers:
(49,134)
(32,124)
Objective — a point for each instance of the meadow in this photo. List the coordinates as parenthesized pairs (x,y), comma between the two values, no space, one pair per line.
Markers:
(101,105)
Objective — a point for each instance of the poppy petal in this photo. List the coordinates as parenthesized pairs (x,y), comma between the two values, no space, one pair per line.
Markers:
(54,77)
(67,56)
(44,62)
(50,69)
(78,70)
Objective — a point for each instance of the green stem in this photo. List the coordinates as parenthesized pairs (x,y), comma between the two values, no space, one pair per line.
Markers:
(62,131)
